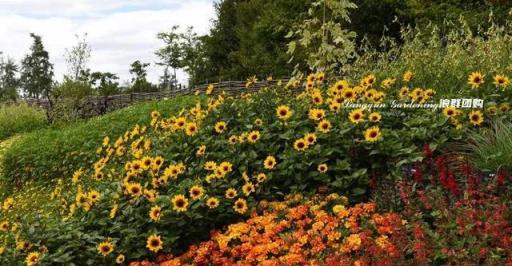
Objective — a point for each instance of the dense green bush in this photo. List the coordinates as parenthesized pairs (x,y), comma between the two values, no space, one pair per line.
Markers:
(56,152)
(440,61)
(17,118)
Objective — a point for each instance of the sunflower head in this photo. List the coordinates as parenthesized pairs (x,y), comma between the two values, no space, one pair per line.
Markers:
(270,162)
(105,248)
(220,127)
(356,116)
(212,203)
(476,118)
(372,134)
(300,144)
(375,117)
(324,126)
(196,192)
(475,79)
(231,193)
(32,258)
(240,206)
(155,213)
(180,203)
(253,136)
(322,168)
(154,243)
(284,112)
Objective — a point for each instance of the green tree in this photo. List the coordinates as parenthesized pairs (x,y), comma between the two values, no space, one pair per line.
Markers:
(37,71)
(139,82)
(9,83)
(171,54)
(223,41)
(105,83)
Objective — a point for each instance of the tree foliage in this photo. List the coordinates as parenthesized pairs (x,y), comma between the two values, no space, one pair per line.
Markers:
(36,70)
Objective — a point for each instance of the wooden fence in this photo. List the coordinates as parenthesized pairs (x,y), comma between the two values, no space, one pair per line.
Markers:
(98,105)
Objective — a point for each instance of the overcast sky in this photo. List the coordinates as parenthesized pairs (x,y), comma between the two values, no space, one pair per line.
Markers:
(119,31)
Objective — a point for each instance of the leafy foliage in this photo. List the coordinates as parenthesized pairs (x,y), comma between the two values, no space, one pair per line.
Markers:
(18,118)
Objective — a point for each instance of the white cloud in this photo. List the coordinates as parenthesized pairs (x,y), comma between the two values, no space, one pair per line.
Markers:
(119,31)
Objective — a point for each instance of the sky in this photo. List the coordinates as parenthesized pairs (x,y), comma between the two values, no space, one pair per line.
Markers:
(118,31)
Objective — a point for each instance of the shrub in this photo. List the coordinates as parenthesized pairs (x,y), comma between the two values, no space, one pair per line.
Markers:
(18,118)
(439,60)
(56,152)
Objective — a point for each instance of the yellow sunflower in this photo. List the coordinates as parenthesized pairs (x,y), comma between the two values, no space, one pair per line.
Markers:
(240,206)
(450,111)
(403,93)
(310,138)
(201,151)
(105,248)
(300,145)
(180,203)
(476,118)
(349,94)
(316,114)
(375,117)
(475,79)
(258,122)
(231,193)
(270,162)
(284,112)
(191,129)
(212,203)
(261,177)
(322,168)
(220,127)
(154,243)
(501,81)
(196,192)
(356,116)
(120,259)
(135,189)
(155,213)
(324,126)
(233,140)
(372,134)
(408,76)
(248,188)
(33,257)
(210,165)
(253,136)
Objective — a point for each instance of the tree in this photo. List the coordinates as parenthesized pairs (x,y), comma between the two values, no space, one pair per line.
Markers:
(139,81)
(105,83)
(171,55)
(9,83)
(77,58)
(166,79)
(37,71)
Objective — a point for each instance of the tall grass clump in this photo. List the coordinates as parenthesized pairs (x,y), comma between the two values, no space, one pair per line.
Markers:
(20,118)
(439,56)
(491,148)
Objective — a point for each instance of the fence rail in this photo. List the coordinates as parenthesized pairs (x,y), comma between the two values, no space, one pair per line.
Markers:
(98,105)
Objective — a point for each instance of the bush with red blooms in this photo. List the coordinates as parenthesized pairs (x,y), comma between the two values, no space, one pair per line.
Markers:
(458,215)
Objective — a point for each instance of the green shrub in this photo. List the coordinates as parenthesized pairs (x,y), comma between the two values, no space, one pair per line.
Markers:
(18,118)
(439,61)
(56,152)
